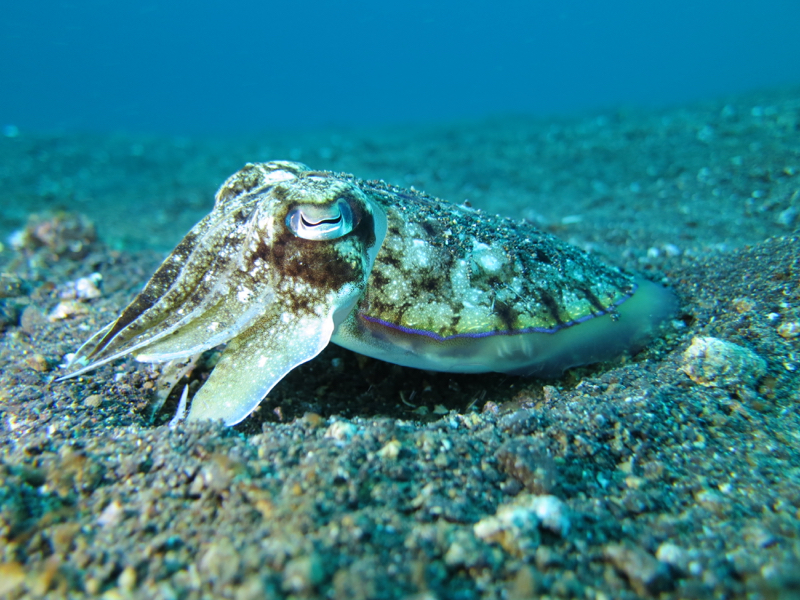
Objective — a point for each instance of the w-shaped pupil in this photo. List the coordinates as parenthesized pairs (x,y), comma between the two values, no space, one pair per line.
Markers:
(308,223)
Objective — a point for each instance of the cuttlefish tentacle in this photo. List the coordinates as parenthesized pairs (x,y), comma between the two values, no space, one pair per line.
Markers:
(187,299)
(194,280)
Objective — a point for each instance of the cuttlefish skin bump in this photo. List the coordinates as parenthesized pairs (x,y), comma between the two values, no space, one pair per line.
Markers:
(290,259)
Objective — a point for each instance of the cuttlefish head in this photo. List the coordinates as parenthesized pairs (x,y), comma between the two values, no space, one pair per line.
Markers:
(279,262)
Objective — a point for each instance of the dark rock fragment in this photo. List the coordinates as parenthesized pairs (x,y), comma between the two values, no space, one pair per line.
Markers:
(529,462)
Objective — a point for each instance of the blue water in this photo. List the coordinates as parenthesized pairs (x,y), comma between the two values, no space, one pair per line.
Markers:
(232,67)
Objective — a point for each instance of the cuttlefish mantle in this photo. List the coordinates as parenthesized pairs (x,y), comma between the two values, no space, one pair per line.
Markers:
(291,259)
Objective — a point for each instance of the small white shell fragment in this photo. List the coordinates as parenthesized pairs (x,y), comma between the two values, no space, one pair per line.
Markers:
(127,579)
(789,329)
(85,288)
(302,574)
(552,513)
(111,515)
(673,555)
(341,430)
(391,450)
(515,525)
(712,362)
(66,310)
(17,239)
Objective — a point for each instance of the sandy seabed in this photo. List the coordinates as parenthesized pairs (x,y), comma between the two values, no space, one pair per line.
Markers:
(671,474)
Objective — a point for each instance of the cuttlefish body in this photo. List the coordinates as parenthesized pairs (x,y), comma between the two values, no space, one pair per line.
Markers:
(290,259)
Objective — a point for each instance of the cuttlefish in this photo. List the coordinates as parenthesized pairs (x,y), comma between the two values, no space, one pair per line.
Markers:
(290,259)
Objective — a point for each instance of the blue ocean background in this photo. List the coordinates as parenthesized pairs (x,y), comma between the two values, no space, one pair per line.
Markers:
(213,67)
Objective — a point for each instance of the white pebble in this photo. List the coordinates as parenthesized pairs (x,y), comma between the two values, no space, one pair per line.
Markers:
(111,515)
(515,523)
(673,555)
(712,362)
(341,430)
(85,288)
(552,512)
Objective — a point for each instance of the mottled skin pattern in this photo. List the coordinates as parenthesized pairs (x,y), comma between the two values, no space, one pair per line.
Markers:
(236,252)
(290,259)
(451,270)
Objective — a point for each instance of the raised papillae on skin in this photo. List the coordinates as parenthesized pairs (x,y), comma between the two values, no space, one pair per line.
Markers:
(290,259)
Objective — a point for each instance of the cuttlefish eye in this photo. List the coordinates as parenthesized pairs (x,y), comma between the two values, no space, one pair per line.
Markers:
(315,222)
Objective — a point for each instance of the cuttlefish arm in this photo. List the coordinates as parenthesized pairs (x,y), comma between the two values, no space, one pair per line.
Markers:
(275,267)
(197,299)
(257,359)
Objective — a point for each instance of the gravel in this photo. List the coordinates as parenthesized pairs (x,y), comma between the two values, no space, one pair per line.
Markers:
(358,479)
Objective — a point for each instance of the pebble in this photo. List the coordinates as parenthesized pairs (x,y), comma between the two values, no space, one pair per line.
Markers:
(63,535)
(456,555)
(12,575)
(111,515)
(646,574)
(674,556)
(32,320)
(341,430)
(62,233)
(37,362)
(546,557)
(743,305)
(711,500)
(93,400)
(127,579)
(40,583)
(313,420)
(391,450)
(220,562)
(552,513)
(252,589)
(515,525)
(11,286)
(67,309)
(760,537)
(85,288)
(302,574)
(789,329)
(515,529)
(527,584)
(465,551)
(706,134)
(528,463)
(92,585)
(712,362)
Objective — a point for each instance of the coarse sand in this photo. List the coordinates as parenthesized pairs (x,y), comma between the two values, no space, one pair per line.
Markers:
(673,473)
